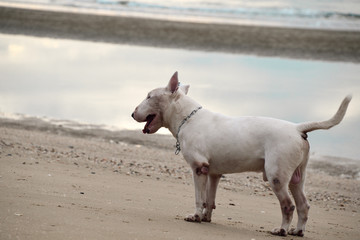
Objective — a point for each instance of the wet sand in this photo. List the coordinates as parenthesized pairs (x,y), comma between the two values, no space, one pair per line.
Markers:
(59,183)
(256,40)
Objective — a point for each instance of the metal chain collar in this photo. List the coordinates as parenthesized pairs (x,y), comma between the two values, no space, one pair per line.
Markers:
(178,149)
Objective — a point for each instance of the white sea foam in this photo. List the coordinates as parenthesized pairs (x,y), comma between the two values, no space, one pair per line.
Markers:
(330,15)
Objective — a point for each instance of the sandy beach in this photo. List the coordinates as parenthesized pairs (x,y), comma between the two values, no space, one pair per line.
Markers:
(256,40)
(58,183)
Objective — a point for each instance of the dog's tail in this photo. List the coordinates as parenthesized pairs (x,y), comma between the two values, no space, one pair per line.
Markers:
(336,119)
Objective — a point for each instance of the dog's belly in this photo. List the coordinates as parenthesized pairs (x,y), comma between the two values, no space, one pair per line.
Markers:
(241,144)
(242,155)
(225,166)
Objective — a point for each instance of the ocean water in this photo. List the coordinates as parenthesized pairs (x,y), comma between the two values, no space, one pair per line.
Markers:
(317,14)
(101,84)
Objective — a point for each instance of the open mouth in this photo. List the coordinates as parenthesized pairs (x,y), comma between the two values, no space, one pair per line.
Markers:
(149,119)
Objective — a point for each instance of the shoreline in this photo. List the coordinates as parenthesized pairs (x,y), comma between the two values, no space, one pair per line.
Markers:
(254,40)
(345,168)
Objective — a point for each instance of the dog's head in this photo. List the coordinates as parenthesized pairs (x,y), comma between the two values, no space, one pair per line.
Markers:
(152,109)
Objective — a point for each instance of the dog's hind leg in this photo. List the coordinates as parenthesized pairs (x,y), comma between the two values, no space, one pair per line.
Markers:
(287,208)
(279,183)
(302,205)
(213,181)
(200,174)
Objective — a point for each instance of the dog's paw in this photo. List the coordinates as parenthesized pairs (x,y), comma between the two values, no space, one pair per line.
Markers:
(193,218)
(206,218)
(296,232)
(279,232)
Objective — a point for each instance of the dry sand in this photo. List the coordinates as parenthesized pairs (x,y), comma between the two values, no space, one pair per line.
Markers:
(58,183)
(264,41)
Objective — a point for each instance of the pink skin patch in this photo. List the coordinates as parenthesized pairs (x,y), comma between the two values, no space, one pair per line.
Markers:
(202,169)
(296,177)
(205,170)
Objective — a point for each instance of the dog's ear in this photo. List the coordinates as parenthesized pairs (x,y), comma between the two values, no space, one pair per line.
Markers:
(185,88)
(173,84)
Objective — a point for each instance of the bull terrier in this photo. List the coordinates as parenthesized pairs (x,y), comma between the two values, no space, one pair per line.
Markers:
(214,144)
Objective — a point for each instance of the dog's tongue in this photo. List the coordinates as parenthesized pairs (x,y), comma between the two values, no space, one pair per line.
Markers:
(146,130)
(148,121)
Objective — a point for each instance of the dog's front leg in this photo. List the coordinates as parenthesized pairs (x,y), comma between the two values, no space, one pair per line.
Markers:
(213,181)
(200,180)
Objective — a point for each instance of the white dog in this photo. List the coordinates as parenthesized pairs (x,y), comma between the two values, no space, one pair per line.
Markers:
(214,144)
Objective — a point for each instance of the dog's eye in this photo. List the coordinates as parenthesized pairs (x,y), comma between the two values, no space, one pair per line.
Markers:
(148,96)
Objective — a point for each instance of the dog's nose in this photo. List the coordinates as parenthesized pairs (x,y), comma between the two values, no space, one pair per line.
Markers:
(132,115)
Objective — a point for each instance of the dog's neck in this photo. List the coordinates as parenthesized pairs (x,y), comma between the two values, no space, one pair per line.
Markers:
(177,111)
